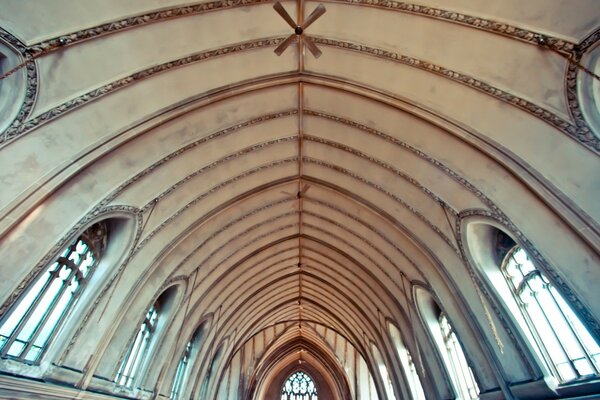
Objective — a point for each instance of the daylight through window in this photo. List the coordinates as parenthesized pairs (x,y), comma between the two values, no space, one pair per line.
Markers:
(299,386)
(460,370)
(571,350)
(27,329)
(133,359)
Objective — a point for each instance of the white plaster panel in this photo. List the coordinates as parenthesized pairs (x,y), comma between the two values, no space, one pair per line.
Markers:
(566,18)
(58,17)
(414,225)
(171,173)
(548,152)
(517,67)
(56,145)
(405,161)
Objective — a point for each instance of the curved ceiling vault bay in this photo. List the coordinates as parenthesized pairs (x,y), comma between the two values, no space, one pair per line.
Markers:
(291,213)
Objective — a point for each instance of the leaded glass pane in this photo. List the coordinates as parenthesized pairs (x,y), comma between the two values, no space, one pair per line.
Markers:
(28,328)
(568,347)
(299,386)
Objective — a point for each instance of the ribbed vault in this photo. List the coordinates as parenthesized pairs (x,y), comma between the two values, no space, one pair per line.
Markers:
(296,199)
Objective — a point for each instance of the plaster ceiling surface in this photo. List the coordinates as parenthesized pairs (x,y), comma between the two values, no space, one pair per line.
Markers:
(291,186)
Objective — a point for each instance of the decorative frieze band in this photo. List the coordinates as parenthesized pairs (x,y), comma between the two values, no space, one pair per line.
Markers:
(578,132)
(31,87)
(484,24)
(20,127)
(583,130)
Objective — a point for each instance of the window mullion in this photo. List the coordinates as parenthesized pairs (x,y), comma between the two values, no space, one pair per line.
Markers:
(17,331)
(49,310)
(576,335)
(558,340)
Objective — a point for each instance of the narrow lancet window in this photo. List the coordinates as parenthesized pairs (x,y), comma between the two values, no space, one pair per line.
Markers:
(461,372)
(132,361)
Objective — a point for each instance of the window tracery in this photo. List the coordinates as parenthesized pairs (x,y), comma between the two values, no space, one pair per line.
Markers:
(299,386)
(414,382)
(566,344)
(34,319)
(184,363)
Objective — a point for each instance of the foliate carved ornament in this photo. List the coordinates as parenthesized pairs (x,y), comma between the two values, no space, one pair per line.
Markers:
(582,129)
(31,87)
(578,131)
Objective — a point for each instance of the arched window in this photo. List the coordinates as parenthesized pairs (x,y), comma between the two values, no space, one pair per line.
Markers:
(462,375)
(186,359)
(451,351)
(383,372)
(209,373)
(567,346)
(414,382)
(27,329)
(137,351)
(299,386)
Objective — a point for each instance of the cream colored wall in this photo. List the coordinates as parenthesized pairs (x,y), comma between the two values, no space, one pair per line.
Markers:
(414,123)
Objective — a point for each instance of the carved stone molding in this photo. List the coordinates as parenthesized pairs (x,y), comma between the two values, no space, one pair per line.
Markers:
(16,130)
(219,5)
(463,19)
(142,19)
(426,157)
(539,259)
(31,87)
(583,131)
(218,187)
(575,131)
(219,134)
(380,189)
(369,226)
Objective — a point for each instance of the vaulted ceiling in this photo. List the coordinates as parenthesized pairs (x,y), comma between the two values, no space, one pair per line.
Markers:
(286,188)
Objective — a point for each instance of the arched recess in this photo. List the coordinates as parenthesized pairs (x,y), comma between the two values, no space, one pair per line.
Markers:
(121,229)
(489,245)
(17,90)
(299,354)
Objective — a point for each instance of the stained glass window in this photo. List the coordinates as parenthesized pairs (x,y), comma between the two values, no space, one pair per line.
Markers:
(299,386)
(565,342)
(34,319)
